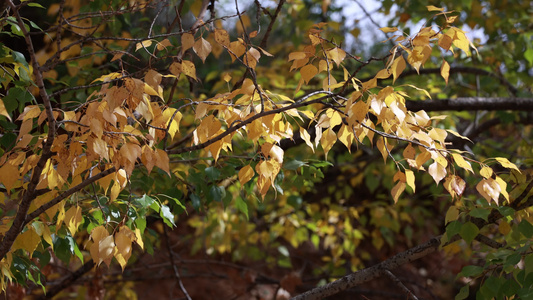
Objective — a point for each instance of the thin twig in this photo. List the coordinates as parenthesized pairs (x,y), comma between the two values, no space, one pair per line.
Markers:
(400,284)
(174,266)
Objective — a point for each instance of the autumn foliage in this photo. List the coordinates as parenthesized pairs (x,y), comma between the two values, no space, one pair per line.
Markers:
(105,127)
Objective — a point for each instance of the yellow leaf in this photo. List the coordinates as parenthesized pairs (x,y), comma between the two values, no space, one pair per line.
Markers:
(434,8)
(73,219)
(306,137)
(188,69)
(222,37)
(452,214)
(142,44)
(445,41)
(100,148)
(507,164)
(3,110)
(486,172)
(187,41)
(489,189)
(461,162)
(458,185)
(245,174)
(383,149)
(397,67)
(315,39)
(106,249)
(108,77)
(9,175)
(389,29)
(123,243)
(445,70)
(202,48)
(28,241)
(115,191)
(503,187)
(458,135)
(437,171)
(410,179)
(147,158)
(461,41)
(175,69)
(308,72)
(138,238)
(163,44)
(30,112)
(277,153)
(409,152)
(328,140)
(345,135)
(337,55)
(236,49)
(161,160)
(397,190)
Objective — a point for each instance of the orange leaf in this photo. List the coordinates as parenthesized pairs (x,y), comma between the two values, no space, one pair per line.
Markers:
(188,69)
(308,72)
(202,48)
(245,174)
(187,41)
(397,190)
(222,37)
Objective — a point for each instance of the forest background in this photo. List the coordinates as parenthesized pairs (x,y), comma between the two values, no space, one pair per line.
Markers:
(266,150)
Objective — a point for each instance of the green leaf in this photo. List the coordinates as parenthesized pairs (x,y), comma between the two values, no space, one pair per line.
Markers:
(480,213)
(212,173)
(453,228)
(468,232)
(33,4)
(506,211)
(510,287)
(74,248)
(145,201)
(175,200)
(529,56)
(140,222)
(471,271)
(242,206)
(526,228)
(463,293)
(294,165)
(216,193)
(167,216)
(195,201)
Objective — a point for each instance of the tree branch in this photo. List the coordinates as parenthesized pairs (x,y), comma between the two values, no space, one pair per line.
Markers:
(399,283)
(469,70)
(67,193)
(370,273)
(68,280)
(30,193)
(472,103)
(407,256)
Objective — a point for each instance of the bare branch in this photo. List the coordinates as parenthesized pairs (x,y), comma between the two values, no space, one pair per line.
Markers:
(271,24)
(370,273)
(174,266)
(68,280)
(472,103)
(29,195)
(468,70)
(67,193)
(399,283)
